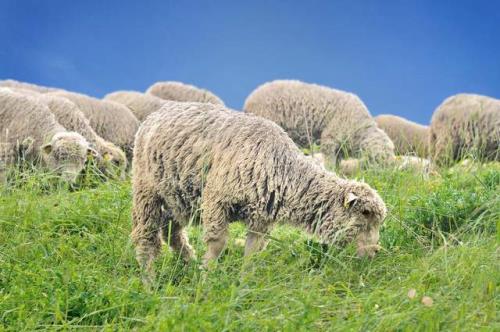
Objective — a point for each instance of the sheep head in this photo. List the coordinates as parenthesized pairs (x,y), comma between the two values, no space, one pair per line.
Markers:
(66,154)
(354,215)
(114,161)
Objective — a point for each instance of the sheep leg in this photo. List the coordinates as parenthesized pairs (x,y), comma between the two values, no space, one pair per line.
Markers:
(214,249)
(175,236)
(146,217)
(255,242)
(215,222)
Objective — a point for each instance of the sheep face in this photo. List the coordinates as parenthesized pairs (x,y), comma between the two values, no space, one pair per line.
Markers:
(358,219)
(67,154)
(367,242)
(114,161)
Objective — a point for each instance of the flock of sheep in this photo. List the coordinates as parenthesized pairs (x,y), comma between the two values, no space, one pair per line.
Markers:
(190,153)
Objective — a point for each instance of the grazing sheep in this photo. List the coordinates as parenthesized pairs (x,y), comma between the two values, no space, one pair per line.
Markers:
(409,138)
(139,103)
(350,167)
(417,164)
(178,91)
(27,86)
(111,159)
(312,114)
(237,167)
(466,125)
(112,121)
(70,116)
(32,131)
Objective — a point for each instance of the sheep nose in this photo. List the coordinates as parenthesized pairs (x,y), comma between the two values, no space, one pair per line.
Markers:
(368,251)
(69,176)
(376,249)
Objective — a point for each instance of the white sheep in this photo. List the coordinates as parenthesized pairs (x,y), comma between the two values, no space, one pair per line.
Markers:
(422,166)
(139,103)
(311,114)
(111,159)
(32,131)
(27,86)
(237,167)
(466,125)
(112,121)
(409,138)
(178,91)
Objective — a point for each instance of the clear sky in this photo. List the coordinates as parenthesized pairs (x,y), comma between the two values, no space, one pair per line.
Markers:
(400,57)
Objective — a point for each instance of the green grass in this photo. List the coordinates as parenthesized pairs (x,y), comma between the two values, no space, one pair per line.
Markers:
(66,261)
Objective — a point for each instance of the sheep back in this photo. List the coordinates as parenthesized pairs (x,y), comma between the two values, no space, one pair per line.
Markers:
(112,121)
(27,86)
(466,125)
(178,91)
(313,114)
(139,103)
(409,138)
(23,118)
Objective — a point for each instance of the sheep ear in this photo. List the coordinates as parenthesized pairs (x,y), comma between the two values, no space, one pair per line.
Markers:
(350,200)
(47,148)
(92,152)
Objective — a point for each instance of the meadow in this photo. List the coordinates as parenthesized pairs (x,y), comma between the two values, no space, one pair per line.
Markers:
(67,262)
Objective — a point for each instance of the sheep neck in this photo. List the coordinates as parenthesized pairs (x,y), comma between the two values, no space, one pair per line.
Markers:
(309,190)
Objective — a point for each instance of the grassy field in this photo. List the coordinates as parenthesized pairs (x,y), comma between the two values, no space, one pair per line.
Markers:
(66,261)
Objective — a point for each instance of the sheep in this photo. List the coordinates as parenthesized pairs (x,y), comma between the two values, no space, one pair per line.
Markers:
(178,91)
(111,159)
(409,138)
(112,121)
(350,167)
(71,118)
(237,167)
(312,114)
(465,125)
(32,133)
(139,103)
(27,86)
(421,165)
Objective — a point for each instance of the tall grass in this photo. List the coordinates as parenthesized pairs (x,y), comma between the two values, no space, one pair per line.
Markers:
(66,261)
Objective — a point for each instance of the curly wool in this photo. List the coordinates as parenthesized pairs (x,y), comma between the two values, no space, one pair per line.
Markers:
(139,103)
(178,91)
(466,125)
(71,118)
(409,138)
(112,121)
(236,167)
(22,117)
(27,127)
(313,114)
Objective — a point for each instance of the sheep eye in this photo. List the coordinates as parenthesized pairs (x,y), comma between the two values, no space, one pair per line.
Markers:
(366,212)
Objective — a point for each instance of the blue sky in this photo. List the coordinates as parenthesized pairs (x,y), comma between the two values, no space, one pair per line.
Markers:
(400,57)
